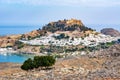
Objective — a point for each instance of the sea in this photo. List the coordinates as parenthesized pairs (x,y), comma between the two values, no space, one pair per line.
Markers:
(11,30)
(20,58)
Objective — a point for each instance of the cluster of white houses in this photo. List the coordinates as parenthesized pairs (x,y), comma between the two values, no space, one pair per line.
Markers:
(91,40)
(4,51)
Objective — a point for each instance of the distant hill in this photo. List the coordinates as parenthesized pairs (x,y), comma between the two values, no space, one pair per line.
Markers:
(66,25)
(111,32)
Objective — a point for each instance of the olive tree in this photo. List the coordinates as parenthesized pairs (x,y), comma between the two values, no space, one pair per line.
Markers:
(38,61)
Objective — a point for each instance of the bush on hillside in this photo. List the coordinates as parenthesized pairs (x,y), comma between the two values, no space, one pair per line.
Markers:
(28,64)
(38,61)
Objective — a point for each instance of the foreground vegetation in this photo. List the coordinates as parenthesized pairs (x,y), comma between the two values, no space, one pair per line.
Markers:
(38,62)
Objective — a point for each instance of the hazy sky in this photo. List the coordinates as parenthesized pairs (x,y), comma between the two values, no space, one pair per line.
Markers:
(37,12)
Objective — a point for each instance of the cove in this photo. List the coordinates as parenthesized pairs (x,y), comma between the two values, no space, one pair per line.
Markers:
(14,57)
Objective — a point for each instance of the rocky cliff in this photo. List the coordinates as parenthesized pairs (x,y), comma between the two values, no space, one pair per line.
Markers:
(111,32)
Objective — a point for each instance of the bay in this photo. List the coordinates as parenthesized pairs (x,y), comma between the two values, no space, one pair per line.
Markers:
(14,58)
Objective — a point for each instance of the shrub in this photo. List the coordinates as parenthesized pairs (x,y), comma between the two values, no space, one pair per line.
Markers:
(38,61)
(28,64)
(44,61)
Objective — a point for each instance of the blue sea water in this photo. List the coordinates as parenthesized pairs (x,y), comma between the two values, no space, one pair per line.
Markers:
(14,58)
(9,30)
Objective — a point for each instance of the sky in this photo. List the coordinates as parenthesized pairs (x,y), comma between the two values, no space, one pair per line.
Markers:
(37,12)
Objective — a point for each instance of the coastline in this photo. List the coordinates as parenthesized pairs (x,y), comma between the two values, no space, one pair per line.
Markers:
(10,50)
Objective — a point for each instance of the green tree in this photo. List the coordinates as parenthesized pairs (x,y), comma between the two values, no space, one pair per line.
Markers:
(38,61)
(28,64)
(44,61)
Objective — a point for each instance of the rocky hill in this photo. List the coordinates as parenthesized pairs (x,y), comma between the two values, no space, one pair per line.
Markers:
(66,25)
(62,26)
(111,32)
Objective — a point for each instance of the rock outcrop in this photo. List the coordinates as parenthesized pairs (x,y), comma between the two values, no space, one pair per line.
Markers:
(111,32)
(66,25)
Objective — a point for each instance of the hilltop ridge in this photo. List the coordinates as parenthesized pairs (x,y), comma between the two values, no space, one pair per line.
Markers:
(66,25)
